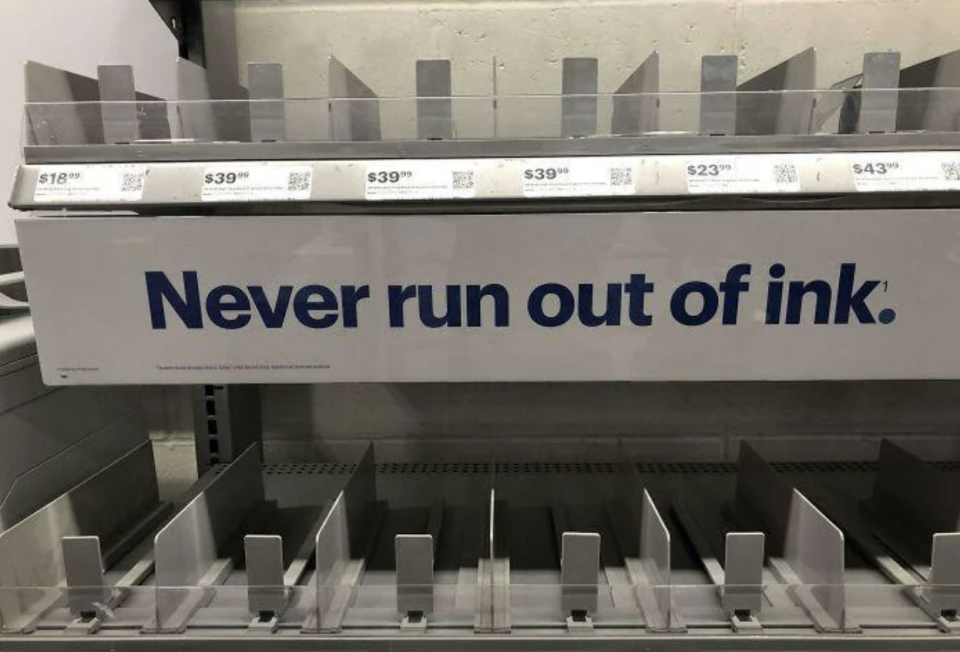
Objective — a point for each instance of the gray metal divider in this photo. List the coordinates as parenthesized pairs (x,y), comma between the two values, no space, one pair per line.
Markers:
(186,549)
(807,549)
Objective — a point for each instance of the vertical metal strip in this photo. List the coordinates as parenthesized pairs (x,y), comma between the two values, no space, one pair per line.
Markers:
(263,558)
(118,97)
(434,100)
(579,102)
(718,98)
(879,96)
(267,107)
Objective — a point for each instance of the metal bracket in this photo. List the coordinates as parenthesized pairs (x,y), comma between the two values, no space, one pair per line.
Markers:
(267,597)
(579,572)
(742,594)
(86,590)
(414,561)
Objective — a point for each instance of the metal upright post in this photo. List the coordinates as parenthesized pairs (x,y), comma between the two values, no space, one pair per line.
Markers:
(226,422)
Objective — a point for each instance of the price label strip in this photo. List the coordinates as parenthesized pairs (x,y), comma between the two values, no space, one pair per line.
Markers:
(90,183)
(757,175)
(578,177)
(237,183)
(418,180)
(905,172)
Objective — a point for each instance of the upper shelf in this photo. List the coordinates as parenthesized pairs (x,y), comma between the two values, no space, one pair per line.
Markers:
(774,111)
(773,134)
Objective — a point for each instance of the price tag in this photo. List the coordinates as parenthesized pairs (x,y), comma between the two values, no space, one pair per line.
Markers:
(90,183)
(578,177)
(905,172)
(410,180)
(707,175)
(257,183)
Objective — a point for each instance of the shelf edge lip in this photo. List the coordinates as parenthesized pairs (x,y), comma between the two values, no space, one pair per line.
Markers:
(505,148)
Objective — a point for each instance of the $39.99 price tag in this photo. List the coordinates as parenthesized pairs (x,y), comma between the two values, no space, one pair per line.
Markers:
(578,177)
(257,183)
(886,172)
(413,180)
(755,174)
(90,183)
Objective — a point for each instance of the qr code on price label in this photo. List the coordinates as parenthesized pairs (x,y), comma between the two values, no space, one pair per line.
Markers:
(786,173)
(951,171)
(132,181)
(299,181)
(463,180)
(621,176)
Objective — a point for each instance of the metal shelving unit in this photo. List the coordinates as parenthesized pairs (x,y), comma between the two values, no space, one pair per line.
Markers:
(602,553)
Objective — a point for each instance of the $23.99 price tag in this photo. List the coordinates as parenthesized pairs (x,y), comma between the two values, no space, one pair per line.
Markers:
(413,180)
(578,177)
(90,183)
(905,172)
(257,183)
(756,174)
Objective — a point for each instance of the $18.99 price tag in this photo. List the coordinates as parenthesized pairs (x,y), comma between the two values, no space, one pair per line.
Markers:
(905,172)
(578,177)
(257,183)
(90,183)
(413,180)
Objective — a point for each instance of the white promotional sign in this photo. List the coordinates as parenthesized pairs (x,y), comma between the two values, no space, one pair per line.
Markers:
(412,180)
(578,177)
(90,183)
(741,174)
(886,172)
(235,183)
(611,296)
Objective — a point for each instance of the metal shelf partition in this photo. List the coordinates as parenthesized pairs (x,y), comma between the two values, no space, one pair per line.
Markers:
(567,554)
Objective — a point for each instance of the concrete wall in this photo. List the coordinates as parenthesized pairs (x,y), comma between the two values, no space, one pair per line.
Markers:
(381,39)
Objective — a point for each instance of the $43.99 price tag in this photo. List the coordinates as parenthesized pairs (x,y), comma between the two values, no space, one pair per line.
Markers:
(741,174)
(412,180)
(90,183)
(905,172)
(578,177)
(257,183)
